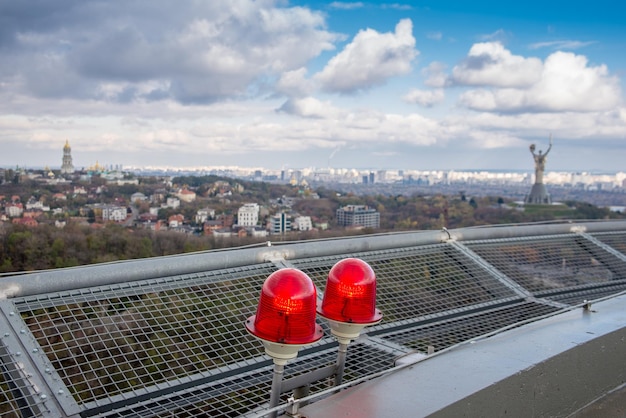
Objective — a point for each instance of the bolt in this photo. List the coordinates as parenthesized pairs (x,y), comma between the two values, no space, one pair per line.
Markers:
(6,334)
(22,331)
(35,350)
(60,392)
(19,353)
(11,313)
(48,370)
(43,396)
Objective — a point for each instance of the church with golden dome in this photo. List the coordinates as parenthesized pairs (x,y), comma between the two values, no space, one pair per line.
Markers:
(67,167)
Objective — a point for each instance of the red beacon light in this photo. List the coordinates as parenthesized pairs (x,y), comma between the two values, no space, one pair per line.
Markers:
(349,302)
(285,316)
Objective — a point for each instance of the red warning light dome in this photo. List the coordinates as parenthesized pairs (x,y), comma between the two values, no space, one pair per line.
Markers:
(286,310)
(350,294)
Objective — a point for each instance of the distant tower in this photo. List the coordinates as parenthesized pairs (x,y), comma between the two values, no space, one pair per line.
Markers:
(539,194)
(67,167)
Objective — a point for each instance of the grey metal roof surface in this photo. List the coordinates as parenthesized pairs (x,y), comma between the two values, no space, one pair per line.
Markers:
(165,337)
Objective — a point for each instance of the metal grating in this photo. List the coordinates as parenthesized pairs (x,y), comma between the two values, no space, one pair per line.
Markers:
(176,346)
(419,281)
(617,240)
(441,333)
(553,264)
(18,397)
(247,393)
(113,341)
(573,297)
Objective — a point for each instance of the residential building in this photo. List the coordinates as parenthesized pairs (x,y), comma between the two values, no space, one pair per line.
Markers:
(33,204)
(138,197)
(175,221)
(248,215)
(222,233)
(280,223)
(172,202)
(358,215)
(113,213)
(14,210)
(186,195)
(258,232)
(302,223)
(30,222)
(203,214)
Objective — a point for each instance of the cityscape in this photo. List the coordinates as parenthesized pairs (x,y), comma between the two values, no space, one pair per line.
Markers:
(159,207)
(590,181)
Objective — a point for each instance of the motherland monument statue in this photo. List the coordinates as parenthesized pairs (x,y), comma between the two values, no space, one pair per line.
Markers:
(538,194)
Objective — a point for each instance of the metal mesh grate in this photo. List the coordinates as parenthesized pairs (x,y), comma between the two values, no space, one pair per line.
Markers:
(617,240)
(104,342)
(587,294)
(248,393)
(420,281)
(439,334)
(18,398)
(553,265)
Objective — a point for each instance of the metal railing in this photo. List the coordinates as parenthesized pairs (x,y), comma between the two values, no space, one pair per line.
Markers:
(165,336)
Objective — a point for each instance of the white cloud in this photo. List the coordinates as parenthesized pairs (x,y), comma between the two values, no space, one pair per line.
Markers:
(426,98)
(294,83)
(565,83)
(561,44)
(490,139)
(396,6)
(490,64)
(436,36)
(194,52)
(435,74)
(345,6)
(310,107)
(370,59)
(498,36)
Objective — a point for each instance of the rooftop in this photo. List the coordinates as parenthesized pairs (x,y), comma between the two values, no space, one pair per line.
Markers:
(467,313)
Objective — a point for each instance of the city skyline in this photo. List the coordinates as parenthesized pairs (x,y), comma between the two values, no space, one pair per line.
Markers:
(275,84)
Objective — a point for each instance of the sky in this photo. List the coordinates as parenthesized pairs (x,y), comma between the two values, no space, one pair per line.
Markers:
(276,84)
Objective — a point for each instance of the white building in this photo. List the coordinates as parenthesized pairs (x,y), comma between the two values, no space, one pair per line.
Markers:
(203,214)
(36,205)
(172,202)
(113,213)
(248,215)
(14,210)
(186,195)
(258,232)
(302,223)
(138,196)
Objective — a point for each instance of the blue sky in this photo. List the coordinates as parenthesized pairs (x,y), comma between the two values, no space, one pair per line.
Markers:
(291,84)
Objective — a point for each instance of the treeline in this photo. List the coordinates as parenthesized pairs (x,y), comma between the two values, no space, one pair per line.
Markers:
(45,246)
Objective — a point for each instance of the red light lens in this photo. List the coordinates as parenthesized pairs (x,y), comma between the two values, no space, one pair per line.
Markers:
(350,294)
(286,310)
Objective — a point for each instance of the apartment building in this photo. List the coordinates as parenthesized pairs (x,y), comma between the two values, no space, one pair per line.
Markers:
(358,215)
(248,215)
(280,224)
